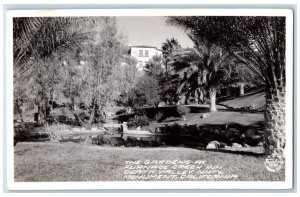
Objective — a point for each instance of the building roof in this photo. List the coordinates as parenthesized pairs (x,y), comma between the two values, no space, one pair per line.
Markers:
(144,46)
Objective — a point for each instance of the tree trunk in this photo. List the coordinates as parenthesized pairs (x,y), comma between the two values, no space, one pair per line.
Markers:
(275,121)
(82,124)
(212,95)
(91,119)
(241,88)
(18,108)
(186,99)
(40,113)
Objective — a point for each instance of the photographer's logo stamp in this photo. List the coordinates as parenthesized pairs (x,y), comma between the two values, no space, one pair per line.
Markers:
(273,163)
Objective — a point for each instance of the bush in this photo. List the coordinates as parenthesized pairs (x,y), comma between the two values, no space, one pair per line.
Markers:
(159,116)
(182,110)
(138,121)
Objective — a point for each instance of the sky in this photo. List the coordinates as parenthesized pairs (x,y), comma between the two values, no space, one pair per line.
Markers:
(152,31)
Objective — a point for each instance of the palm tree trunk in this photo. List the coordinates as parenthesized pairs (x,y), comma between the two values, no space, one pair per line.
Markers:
(275,121)
(212,95)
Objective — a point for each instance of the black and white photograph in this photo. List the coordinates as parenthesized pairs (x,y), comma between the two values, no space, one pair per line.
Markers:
(176,96)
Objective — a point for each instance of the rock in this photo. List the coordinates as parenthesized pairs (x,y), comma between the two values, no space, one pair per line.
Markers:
(162,104)
(94,129)
(255,137)
(260,144)
(213,145)
(237,145)
(138,128)
(83,129)
(75,129)
(246,145)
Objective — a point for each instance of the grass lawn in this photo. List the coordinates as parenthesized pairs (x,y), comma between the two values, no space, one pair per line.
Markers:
(221,117)
(256,99)
(76,162)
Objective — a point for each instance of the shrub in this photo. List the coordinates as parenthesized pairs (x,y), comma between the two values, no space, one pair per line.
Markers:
(159,116)
(182,110)
(138,121)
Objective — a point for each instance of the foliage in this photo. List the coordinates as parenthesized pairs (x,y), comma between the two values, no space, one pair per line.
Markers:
(168,47)
(69,60)
(138,121)
(123,80)
(259,42)
(145,93)
(182,110)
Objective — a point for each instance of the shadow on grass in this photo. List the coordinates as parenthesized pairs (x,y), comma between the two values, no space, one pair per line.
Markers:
(238,152)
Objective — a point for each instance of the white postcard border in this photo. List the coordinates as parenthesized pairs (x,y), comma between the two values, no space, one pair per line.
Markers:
(287,184)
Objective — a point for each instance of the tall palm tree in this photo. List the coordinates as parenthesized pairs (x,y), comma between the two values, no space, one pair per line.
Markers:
(201,71)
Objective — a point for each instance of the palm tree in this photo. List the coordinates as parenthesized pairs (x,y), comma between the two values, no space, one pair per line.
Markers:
(154,67)
(259,42)
(168,48)
(201,72)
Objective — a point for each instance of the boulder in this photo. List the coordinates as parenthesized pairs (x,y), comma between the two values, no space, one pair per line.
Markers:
(260,144)
(213,145)
(237,145)
(162,104)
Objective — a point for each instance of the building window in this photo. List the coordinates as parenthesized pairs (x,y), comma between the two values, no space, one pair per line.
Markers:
(146,53)
(140,53)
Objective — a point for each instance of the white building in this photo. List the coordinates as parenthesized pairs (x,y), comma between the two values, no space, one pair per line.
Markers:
(143,54)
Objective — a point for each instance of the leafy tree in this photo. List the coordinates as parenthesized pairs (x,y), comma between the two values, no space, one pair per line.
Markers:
(123,80)
(92,80)
(260,43)
(145,93)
